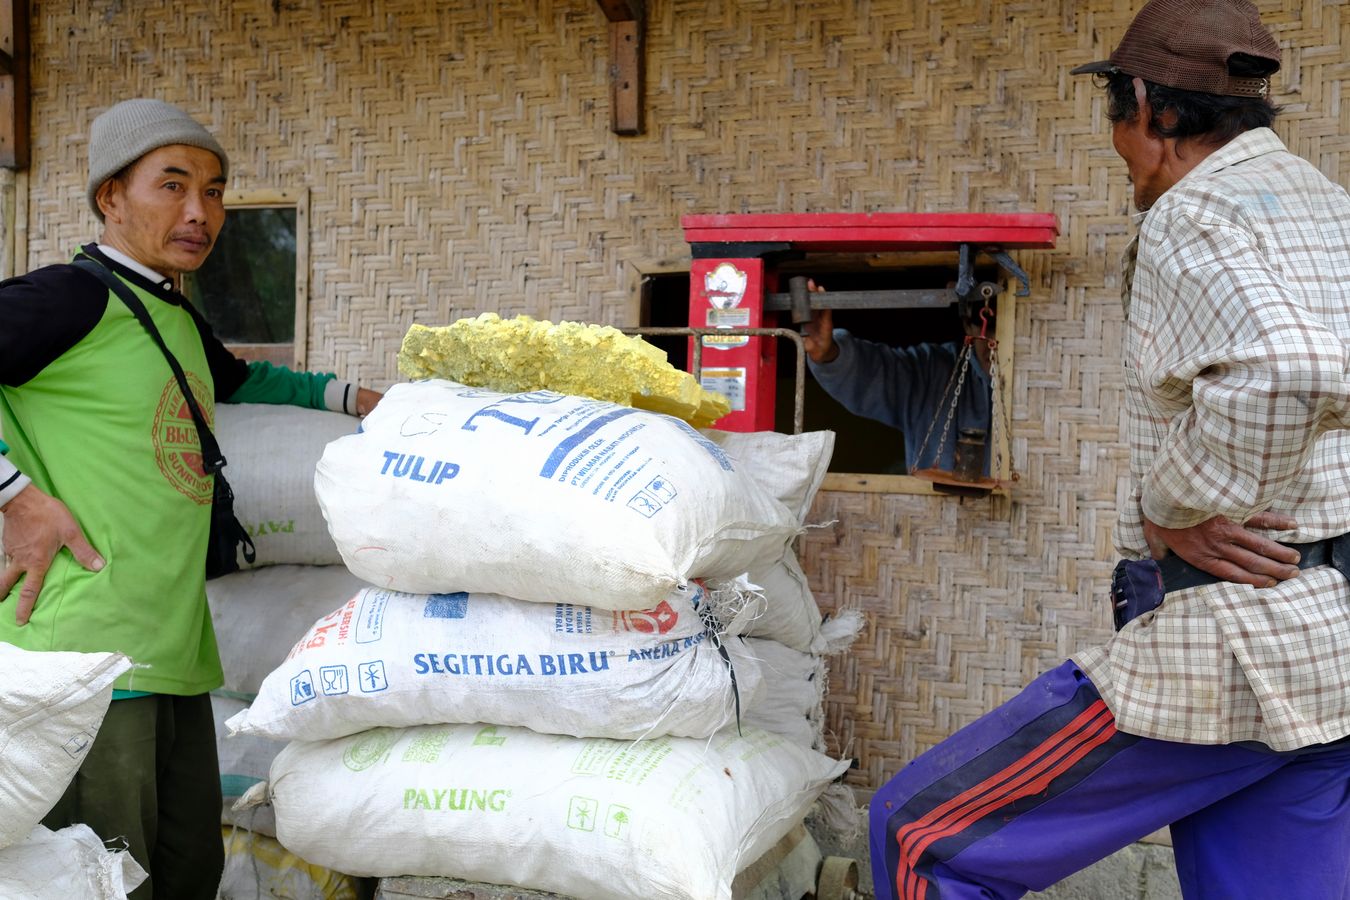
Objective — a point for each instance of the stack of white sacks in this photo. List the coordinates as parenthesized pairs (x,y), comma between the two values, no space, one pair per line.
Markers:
(591,665)
(51,707)
(259,612)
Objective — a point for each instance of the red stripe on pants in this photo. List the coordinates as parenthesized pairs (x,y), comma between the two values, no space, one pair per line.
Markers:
(1029,774)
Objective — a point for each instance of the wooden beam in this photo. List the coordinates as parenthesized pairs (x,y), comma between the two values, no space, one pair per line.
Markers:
(14,84)
(625,77)
(626,21)
(623,10)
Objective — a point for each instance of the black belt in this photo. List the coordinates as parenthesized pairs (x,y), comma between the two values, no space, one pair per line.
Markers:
(1177,574)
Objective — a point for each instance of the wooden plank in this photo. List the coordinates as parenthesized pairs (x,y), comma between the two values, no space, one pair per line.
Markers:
(238,199)
(14,84)
(876,484)
(301,334)
(625,76)
(852,483)
(623,10)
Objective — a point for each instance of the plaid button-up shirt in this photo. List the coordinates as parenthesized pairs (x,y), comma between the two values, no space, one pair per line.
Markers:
(1237,401)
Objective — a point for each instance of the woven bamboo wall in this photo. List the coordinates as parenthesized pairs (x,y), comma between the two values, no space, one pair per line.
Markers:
(458,159)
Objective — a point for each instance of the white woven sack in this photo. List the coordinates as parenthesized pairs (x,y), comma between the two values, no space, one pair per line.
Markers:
(784,609)
(272,451)
(791,467)
(244,761)
(391,659)
(665,819)
(791,703)
(70,864)
(539,496)
(51,707)
(259,614)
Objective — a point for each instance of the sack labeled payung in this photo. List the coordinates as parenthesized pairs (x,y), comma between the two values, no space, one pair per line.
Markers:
(664,819)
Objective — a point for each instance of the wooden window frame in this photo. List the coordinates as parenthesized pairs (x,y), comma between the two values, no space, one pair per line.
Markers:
(289,198)
(1002,468)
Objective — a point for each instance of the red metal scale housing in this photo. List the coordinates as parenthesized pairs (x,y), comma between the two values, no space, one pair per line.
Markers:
(733,271)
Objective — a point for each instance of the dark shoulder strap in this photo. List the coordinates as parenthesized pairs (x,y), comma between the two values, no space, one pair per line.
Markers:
(212,459)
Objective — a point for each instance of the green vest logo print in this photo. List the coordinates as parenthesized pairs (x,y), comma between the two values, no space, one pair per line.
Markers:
(177,446)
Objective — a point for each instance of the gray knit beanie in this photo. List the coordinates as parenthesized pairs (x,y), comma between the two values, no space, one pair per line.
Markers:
(126,132)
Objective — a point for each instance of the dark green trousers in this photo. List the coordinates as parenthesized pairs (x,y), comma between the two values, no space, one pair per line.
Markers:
(151,784)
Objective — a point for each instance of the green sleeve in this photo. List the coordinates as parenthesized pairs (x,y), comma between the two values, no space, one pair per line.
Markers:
(267,383)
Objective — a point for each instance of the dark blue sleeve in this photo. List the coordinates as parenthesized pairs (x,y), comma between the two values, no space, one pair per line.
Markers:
(874,380)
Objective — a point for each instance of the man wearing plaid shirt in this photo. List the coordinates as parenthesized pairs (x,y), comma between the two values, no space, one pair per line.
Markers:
(1222,705)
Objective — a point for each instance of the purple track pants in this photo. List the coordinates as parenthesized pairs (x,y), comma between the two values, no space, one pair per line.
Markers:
(1044,786)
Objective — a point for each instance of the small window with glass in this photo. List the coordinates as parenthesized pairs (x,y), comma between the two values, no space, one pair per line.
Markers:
(253,287)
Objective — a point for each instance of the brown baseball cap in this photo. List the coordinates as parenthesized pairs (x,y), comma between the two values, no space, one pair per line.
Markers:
(1186,44)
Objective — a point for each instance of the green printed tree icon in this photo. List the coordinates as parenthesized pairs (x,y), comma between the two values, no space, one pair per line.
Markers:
(617,820)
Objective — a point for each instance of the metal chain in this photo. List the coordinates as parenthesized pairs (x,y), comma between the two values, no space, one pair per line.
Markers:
(959,378)
(999,414)
(1000,428)
(998,411)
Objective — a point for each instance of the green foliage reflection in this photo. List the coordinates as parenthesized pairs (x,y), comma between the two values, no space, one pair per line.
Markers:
(246,288)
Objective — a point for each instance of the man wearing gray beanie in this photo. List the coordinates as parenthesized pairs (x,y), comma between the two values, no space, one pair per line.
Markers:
(105,494)
(132,129)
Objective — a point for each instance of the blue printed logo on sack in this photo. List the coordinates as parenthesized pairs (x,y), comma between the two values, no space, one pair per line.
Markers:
(658,493)
(372,677)
(406,465)
(447,606)
(333,680)
(79,743)
(370,620)
(302,688)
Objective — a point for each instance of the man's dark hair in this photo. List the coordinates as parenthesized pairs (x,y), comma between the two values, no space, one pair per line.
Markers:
(1210,116)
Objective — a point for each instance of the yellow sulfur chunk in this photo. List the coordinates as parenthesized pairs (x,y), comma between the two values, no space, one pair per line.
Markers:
(525,354)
